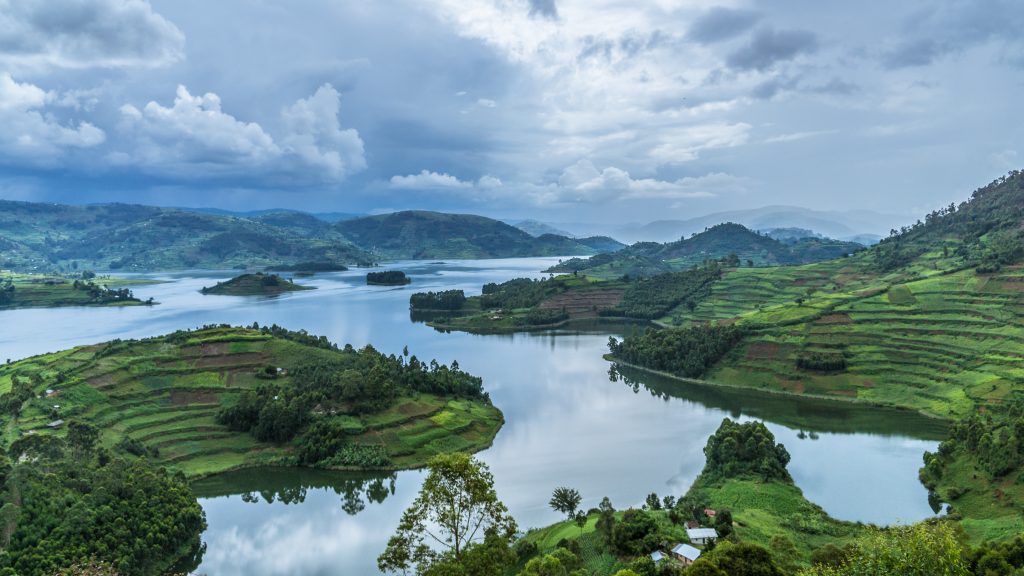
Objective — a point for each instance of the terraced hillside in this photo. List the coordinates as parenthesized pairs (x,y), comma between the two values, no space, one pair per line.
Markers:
(162,397)
(43,291)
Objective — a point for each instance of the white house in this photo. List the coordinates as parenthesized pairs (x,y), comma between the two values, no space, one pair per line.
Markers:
(657,556)
(701,535)
(685,553)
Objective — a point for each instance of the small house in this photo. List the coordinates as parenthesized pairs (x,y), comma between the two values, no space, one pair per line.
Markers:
(55,424)
(685,553)
(710,513)
(692,524)
(657,556)
(701,535)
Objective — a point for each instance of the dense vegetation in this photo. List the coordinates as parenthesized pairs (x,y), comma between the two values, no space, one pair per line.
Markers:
(69,500)
(258,284)
(387,278)
(737,450)
(449,300)
(687,352)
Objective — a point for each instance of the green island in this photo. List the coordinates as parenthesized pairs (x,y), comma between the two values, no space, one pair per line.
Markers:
(258,284)
(743,516)
(81,289)
(145,417)
(387,278)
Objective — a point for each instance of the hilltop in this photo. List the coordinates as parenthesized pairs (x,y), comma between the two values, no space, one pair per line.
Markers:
(427,235)
(728,240)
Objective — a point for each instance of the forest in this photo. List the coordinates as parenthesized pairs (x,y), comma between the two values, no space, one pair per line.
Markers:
(651,298)
(687,352)
(387,278)
(446,300)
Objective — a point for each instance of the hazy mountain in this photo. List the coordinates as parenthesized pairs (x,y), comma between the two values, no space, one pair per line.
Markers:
(832,224)
(536,228)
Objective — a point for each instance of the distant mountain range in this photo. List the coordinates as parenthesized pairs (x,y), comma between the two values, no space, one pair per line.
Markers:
(862,226)
(53,237)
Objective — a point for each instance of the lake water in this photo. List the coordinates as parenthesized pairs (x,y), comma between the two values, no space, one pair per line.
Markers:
(567,422)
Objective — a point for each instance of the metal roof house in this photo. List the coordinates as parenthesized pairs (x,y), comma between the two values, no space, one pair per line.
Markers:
(55,424)
(657,556)
(701,535)
(685,553)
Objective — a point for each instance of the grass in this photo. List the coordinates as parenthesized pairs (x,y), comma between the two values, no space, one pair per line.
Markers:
(166,393)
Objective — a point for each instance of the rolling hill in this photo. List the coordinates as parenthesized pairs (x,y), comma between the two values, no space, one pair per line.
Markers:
(717,242)
(426,235)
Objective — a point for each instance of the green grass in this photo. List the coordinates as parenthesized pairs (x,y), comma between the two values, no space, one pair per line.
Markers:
(50,291)
(166,394)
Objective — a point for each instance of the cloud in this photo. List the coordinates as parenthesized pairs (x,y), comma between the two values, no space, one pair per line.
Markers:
(795,136)
(86,33)
(31,133)
(195,139)
(429,180)
(314,135)
(582,182)
(769,47)
(719,24)
(685,144)
(544,9)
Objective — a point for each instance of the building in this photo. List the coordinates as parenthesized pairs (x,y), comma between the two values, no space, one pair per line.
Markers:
(657,556)
(710,513)
(701,535)
(55,424)
(685,553)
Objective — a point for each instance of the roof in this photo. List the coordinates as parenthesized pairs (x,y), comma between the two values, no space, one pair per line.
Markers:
(701,533)
(686,551)
(55,424)
(657,556)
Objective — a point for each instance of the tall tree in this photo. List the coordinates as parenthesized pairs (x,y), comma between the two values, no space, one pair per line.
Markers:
(456,507)
(566,501)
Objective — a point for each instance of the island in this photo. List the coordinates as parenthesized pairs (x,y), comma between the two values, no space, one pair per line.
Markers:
(387,278)
(52,290)
(134,414)
(258,284)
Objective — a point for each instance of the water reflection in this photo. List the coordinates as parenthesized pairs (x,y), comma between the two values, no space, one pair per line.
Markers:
(291,485)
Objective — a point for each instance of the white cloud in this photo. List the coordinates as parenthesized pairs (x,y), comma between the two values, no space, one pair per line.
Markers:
(582,182)
(795,136)
(684,144)
(430,180)
(427,180)
(195,138)
(30,132)
(85,34)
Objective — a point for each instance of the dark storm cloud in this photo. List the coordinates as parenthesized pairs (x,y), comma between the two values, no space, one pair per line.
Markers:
(106,33)
(768,47)
(720,24)
(544,9)
(951,28)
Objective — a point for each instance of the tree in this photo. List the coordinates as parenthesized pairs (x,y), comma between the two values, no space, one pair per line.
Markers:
(82,437)
(653,502)
(922,549)
(581,520)
(456,506)
(605,520)
(566,501)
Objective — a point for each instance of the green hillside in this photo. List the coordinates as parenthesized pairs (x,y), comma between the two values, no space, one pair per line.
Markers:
(221,398)
(427,235)
(44,291)
(733,241)
(49,237)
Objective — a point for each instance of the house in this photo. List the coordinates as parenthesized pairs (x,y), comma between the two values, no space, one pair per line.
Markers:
(55,424)
(693,524)
(685,553)
(701,535)
(657,556)
(710,513)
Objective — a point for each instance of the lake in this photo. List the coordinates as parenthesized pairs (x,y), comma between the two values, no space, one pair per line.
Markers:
(567,422)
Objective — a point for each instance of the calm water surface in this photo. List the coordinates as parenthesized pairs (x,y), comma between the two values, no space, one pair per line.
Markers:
(567,423)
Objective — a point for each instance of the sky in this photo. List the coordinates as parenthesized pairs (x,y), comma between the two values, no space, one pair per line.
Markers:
(558,110)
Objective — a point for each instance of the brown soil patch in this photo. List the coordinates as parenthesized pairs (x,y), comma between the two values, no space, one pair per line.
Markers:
(840,318)
(762,351)
(102,381)
(852,393)
(185,397)
(583,303)
(795,386)
(246,359)
(208,349)
(868,384)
